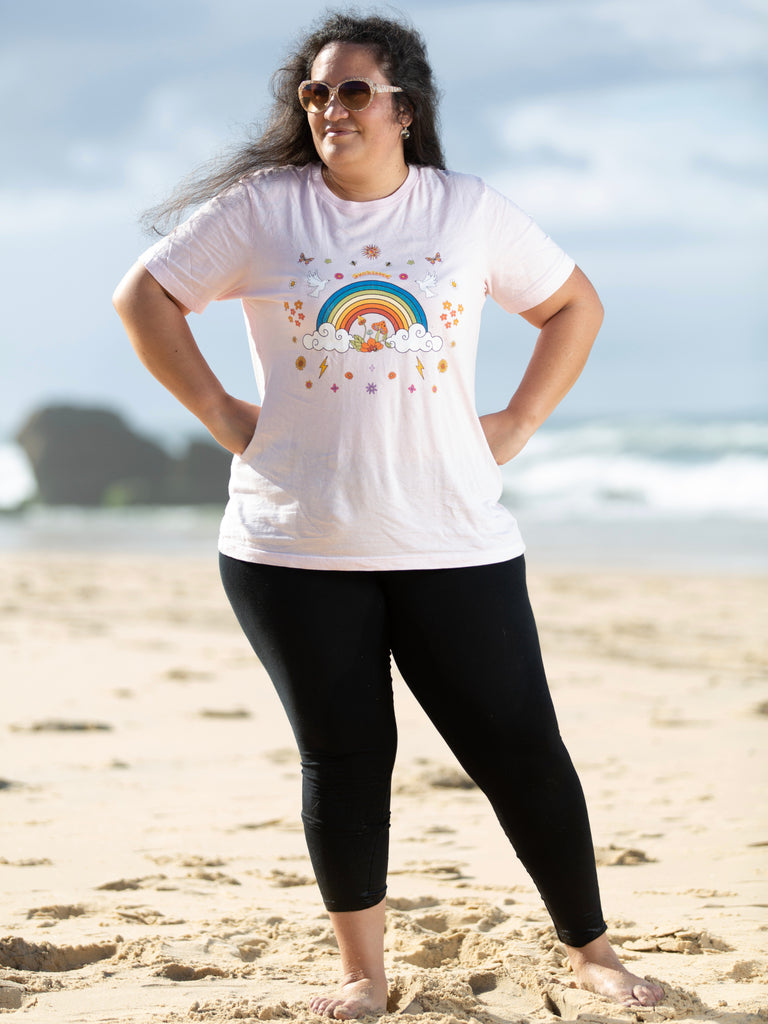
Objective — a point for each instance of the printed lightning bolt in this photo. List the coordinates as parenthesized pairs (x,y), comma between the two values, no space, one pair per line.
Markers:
(323,366)
(420,367)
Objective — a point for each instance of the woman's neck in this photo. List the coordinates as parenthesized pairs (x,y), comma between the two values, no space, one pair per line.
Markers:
(364,190)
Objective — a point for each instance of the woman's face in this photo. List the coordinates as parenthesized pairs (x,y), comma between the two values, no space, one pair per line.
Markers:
(356,142)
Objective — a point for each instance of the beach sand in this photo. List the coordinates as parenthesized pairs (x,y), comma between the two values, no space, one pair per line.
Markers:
(153,866)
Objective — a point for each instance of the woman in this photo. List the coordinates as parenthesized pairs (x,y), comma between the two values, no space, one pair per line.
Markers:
(363,511)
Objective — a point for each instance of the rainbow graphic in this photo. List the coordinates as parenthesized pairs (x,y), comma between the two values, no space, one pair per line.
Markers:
(371,299)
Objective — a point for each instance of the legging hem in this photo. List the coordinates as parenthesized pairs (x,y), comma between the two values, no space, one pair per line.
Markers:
(581,938)
(365,902)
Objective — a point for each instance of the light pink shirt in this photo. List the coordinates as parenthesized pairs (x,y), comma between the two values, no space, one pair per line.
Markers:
(363,321)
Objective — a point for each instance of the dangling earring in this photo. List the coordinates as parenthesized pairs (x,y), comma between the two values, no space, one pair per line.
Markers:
(404,133)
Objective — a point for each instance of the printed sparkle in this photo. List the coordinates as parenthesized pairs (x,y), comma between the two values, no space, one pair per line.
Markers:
(371,388)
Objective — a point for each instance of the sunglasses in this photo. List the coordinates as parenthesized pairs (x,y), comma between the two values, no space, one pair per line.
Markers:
(354,94)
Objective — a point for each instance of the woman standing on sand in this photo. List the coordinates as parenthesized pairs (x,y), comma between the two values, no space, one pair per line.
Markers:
(363,517)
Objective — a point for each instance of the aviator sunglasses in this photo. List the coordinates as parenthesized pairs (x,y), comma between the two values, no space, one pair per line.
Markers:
(353,94)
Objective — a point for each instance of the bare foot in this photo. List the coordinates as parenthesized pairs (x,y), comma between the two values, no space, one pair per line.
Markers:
(354,999)
(599,970)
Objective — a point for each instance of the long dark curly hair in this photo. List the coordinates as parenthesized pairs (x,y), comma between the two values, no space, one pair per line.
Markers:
(401,53)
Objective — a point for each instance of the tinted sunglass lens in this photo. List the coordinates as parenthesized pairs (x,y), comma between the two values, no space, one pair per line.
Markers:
(355,95)
(315,96)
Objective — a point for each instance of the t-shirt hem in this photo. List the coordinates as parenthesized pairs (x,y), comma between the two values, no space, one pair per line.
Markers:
(372,563)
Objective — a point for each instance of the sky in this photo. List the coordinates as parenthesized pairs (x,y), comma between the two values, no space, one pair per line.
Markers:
(633,131)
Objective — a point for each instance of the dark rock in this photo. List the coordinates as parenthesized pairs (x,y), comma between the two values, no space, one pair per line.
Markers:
(200,476)
(90,456)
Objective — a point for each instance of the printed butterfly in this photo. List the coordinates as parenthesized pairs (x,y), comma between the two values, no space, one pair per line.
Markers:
(437,258)
(305,259)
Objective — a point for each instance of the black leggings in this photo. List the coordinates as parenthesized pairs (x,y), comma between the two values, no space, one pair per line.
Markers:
(465,642)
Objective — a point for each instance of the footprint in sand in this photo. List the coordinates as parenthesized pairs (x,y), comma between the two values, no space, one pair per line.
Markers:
(690,943)
(62,725)
(233,714)
(123,884)
(27,862)
(463,913)
(56,912)
(610,856)
(20,955)
(287,879)
(187,675)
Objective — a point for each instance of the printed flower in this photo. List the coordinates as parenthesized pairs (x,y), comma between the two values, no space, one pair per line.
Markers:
(301,362)
(403,277)
(442,366)
(362,321)
(371,388)
(453,284)
(371,345)
(456,323)
(349,375)
(371,252)
(461,309)
(286,305)
(339,277)
(392,375)
(294,339)
(308,384)
(446,304)
(434,389)
(298,303)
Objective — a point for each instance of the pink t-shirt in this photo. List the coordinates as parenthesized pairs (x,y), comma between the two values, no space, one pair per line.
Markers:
(363,321)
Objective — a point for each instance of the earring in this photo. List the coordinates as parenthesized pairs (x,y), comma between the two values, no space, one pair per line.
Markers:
(404,133)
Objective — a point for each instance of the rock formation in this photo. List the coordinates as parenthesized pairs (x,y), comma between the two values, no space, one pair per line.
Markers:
(90,456)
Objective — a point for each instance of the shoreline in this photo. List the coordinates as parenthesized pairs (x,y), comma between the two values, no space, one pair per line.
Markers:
(720,545)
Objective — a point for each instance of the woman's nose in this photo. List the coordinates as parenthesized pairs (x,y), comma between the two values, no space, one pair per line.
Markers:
(335,109)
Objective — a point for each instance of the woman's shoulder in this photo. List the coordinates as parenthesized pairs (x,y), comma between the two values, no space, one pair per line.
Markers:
(455,183)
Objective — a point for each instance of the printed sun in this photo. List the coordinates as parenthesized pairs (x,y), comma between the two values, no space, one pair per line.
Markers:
(371,251)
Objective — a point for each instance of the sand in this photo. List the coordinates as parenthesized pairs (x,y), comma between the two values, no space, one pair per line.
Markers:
(152,864)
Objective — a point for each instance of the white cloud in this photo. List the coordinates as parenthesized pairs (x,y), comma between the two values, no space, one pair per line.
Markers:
(638,157)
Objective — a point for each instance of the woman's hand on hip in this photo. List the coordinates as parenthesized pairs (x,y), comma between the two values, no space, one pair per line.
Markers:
(232,423)
(505,437)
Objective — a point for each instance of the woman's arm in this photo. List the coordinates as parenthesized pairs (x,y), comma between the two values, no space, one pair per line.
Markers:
(568,323)
(157,327)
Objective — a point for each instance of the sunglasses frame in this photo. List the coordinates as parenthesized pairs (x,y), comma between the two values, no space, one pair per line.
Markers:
(333,90)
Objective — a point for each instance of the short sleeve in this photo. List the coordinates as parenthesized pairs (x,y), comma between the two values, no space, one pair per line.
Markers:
(209,256)
(525,266)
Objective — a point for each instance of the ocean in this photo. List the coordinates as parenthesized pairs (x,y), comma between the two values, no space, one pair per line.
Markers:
(683,495)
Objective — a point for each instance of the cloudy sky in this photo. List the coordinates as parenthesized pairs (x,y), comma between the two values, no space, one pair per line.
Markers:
(632,130)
